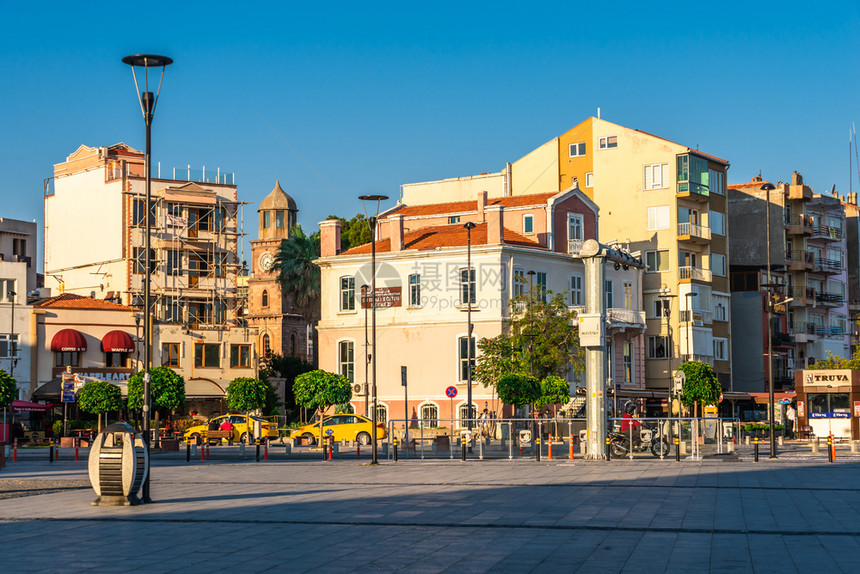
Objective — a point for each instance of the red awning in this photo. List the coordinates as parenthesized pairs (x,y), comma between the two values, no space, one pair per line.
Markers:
(117,342)
(763,398)
(24,406)
(68,340)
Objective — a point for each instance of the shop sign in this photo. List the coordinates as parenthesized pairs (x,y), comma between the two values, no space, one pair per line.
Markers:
(857,408)
(830,415)
(110,375)
(824,378)
(385,297)
(801,409)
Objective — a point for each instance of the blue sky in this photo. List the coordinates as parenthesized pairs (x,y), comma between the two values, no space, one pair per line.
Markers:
(345,99)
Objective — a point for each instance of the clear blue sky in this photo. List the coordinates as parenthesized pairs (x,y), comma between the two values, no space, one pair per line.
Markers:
(347,98)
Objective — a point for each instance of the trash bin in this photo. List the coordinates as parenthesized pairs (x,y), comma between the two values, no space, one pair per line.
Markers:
(118,463)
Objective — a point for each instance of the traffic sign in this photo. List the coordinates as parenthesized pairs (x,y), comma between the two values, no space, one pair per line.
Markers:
(68,387)
(451,392)
(329,432)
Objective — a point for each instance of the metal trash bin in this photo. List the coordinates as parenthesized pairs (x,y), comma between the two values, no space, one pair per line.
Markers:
(118,463)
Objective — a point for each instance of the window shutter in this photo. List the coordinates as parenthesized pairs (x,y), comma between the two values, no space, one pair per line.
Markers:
(647,177)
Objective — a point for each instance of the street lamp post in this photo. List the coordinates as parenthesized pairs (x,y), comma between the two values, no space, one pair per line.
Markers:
(372,221)
(364,289)
(531,274)
(767,188)
(688,296)
(666,299)
(147,101)
(469,226)
(13,345)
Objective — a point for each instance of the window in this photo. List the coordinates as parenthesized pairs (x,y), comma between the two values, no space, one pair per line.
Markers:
(138,211)
(67,358)
(467,286)
(346,359)
(607,293)
(347,293)
(264,298)
(267,346)
(628,363)
(170,354)
(415,290)
(721,346)
(718,264)
(240,356)
(693,174)
(466,413)
(608,142)
(139,264)
(207,355)
(267,219)
(464,357)
(658,217)
(829,403)
(656,176)
(628,294)
(429,415)
(657,261)
(717,222)
(574,226)
(519,287)
(658,346)
(589,179)
(717,181)
(9,346)
(19,247)
(577,149)
(454,219)
(220,219)
(837,325)
(381,414)
(661,306)
(116,360)
(174,262)
(540,277)
(576,291)
(172,310)
(528,224)
(279,218)
(8,287)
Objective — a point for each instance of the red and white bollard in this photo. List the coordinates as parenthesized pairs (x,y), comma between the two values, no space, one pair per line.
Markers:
(549,448)
(570,455)
(358,450)
(77,446)
(266,450)
(330,448)
(15,450)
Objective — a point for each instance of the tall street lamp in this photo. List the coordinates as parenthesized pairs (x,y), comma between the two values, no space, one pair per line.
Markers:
(372,221)
(364,289)
(688,296)
(469,226)
(767,188)
(531,274)
(13,344)
(666,300)
(147,101)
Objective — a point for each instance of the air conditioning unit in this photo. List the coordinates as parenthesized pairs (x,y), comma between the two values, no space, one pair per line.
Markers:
(356,389)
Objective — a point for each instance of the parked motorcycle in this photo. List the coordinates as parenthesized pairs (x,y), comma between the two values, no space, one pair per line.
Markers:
(649,438)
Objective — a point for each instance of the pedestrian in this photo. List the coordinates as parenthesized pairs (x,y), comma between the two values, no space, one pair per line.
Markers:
(485,425)
(227,426)
(790,418)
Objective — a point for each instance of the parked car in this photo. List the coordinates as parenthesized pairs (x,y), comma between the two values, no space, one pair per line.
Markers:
(341,427)
(240,428)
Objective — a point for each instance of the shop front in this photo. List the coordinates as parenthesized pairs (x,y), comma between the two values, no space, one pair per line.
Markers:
(829,402)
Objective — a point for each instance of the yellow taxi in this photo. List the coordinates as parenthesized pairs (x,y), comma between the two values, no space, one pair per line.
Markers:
(340,427)
(240,428)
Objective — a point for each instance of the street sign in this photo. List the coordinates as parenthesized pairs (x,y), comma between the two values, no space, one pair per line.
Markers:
(679,380)
(68,387)
(451,392)
(329,432)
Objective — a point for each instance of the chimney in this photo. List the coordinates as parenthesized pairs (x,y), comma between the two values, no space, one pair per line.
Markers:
(756,179)
(495,225)
(330,237)
(395,232)
(852,198)
(482,205)
(796,179)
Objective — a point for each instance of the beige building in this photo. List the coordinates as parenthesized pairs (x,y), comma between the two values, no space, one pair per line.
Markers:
(424,287)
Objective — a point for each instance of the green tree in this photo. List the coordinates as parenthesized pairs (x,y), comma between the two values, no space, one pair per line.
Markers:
(245,394)
(355,231)
(835,362)
(553,391)
(299,276)
(8,389)
(518,390)
(166,387)
(318,390)
(701,386)
(100,397)
(288,368)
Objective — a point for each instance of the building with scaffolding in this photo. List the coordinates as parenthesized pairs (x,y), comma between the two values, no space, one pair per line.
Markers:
(95,219)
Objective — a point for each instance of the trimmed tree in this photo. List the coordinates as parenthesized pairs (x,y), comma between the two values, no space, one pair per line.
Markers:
(518,390)
(318,390)
(8,389)
(100,397)
(553,391)
(701,386)
(166,387)
(245,394)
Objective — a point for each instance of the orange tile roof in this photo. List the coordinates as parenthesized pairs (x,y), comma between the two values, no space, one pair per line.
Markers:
(472,205)
(443,236)
(72,301)
(755,184)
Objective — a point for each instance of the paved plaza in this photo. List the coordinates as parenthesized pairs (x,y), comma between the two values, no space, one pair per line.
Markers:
(440,516)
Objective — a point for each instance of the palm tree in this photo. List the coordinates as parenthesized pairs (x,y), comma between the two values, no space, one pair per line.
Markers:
(299,276)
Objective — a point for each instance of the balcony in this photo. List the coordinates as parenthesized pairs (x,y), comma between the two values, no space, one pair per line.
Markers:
(829,332)
(694,233)
(801,192)
(689,273)
(782,340)
(699,317)
(827,233)
(619,317)
(798,225)
(803,332)
(692,191)
(830,299)
(828,266)
(574,246)
(799,260)
(709,359)
(801,296)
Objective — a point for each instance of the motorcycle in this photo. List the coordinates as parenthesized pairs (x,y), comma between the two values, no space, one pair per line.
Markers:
(649,438)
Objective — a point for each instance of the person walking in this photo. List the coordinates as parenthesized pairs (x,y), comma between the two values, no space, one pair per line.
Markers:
(790,418)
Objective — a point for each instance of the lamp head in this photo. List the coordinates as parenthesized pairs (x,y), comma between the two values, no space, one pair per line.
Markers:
(469,225)
(768,187)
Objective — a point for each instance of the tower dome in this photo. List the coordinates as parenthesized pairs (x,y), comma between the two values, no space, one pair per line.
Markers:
(277,214)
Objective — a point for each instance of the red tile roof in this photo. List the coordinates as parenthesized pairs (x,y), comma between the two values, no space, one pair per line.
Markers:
(443,236)
(72,301)
(756,184)
(472,205)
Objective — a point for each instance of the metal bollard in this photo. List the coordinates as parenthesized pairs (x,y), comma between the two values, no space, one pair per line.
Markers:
(677,449)
(756,449)
(608,450)
(51,452)
(463,444)
(257,445)
(831,448)
(395,449)
(537,446)
(570,454)
(188,451)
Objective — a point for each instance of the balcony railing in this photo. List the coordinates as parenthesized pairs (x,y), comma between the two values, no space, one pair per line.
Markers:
(799,223)
(695,273)
(696,357)
(694,230)
(824,265)
(799,255)
(696,190)
(826,232)
(829,332)
(629,316)
(574,246)
(782,340)
(204,175)
(829,298)
(699,316)
(802,329)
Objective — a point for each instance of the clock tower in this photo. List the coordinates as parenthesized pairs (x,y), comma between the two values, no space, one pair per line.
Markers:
(280,327)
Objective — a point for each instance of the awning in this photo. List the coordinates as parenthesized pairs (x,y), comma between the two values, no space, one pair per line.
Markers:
(25,407)
(203,389)
(763,398)
(117,342)
(68,340)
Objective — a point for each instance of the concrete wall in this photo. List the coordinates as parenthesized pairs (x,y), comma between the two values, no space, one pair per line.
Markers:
(454,189)
(748,370)
(746,216)
(537,172)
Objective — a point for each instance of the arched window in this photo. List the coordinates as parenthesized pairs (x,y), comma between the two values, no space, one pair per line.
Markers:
(429,415)
(267,348)
(381,414)
(265,298)
(293,344)
(464,414)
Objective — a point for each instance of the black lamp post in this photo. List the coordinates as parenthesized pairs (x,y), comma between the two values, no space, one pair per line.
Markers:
(469,226)
(13,345)
(364,289)
(148,101)
(372,221)
(666,299)
(767,188)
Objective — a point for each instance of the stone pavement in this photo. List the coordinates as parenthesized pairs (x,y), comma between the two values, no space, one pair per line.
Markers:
(440,516)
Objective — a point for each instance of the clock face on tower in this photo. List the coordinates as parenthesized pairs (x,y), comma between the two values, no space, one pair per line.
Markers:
(266,262)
